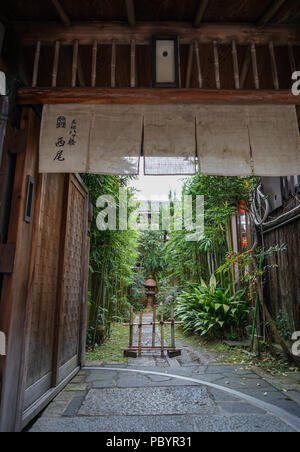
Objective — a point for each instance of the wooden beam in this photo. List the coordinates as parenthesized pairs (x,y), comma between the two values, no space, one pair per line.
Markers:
(32,96)
(200,12)
(130,12)
(142,33)
(61,12)
(270,12)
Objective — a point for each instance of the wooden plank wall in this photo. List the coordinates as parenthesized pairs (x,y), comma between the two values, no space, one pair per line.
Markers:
(282,289)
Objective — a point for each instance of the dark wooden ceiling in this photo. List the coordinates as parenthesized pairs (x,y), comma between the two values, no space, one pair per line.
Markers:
(235,11)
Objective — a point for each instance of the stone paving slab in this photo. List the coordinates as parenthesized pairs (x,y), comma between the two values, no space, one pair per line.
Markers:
(241,423)
(148,401)
(187,424)
(99,400)
(117,424)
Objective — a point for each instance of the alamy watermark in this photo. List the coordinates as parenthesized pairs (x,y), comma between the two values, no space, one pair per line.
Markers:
(125,214)
(2,344)
(296,84)
(296,345)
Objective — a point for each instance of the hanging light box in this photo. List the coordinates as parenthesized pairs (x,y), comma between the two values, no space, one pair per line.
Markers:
(165,72)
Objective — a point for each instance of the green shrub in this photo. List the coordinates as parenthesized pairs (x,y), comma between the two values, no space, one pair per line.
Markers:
(211,310)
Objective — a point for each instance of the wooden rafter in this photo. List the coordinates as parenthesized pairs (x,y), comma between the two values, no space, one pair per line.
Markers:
(200,12)
(130,12)
(32,96)
(61,12)
(142,33)
(270,12)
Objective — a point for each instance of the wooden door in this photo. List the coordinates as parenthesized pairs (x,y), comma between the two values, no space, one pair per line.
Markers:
(58,299)
(43,304)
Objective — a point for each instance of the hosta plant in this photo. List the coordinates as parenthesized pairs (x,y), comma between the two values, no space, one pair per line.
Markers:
(210,310)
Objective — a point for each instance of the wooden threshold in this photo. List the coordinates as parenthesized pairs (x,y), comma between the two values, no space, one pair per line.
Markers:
(38,96)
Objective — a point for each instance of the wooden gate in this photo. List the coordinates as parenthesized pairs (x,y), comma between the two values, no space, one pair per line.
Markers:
(43,306)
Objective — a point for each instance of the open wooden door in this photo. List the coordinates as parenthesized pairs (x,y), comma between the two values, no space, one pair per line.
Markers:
(43,305)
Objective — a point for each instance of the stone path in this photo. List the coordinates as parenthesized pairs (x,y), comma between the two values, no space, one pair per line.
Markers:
(116,400)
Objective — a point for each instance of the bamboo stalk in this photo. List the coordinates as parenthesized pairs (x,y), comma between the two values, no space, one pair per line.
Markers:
(131,328)
(172,327)
(162,333)
(113,64)
(132,64)
(153,326)
(254,65)
(36,64)
(75,63)
(235,66)
(217,65)
(274,65)
(55,64)
(199,71)
(140,333)
(94,63)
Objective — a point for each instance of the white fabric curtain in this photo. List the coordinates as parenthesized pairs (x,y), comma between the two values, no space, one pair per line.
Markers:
(228,140)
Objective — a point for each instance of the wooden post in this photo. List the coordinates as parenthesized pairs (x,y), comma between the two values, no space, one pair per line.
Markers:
(153,326)
(217,65)
(172,327)
(113,64)
(131,328)
(162,334)
(235,66)
(274,65)
(140,332)
(132,65)
(55,64)
(94,63)
(36,64)
(75,63)
(254,65)
(199,71)
(292,57)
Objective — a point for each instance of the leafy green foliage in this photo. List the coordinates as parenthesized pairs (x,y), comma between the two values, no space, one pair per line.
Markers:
(113,257)
(210,310)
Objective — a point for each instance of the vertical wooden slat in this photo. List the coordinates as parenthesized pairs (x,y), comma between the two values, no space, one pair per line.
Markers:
(274,65)
(254,65)
(55,63)
(75,63)
(172,327)
(217,65)
(179,64)
(153,326)
(36,64)
(189,66)
(94,63)
(132,64)
(113,64)
(292,57)
(140,333)
(199,71)
(131,328)
(162,339)
(235,66)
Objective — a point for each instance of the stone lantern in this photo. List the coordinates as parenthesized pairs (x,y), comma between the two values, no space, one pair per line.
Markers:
(150,291)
